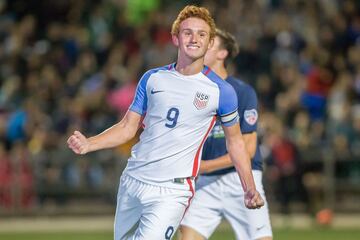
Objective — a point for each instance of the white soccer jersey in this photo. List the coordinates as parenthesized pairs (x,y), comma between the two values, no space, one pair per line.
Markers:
(180,110)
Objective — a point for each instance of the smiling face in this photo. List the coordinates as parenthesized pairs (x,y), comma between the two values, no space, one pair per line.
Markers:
(193,39)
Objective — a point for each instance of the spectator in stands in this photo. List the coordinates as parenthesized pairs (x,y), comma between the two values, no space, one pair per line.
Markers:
(76,59)
(5,178)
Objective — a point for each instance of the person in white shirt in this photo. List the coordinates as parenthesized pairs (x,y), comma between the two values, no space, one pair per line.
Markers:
(179,103)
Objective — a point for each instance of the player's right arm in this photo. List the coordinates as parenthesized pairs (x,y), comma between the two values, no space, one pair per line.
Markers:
(119,133)
(116,135)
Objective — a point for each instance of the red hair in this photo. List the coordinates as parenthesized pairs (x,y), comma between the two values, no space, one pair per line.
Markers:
(196,12)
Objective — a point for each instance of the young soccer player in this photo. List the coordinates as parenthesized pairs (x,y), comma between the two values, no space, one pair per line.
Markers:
(179,104)
(218,192)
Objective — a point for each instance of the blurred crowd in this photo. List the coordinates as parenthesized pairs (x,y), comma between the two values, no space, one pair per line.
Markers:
(67,65)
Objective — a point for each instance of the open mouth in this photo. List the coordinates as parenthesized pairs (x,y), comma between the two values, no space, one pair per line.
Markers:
(192,46)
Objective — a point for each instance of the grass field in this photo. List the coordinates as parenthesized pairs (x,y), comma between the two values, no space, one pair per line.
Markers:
(279,234)
(294,227)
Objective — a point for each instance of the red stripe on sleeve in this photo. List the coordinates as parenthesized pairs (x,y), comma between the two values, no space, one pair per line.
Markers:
(207,71)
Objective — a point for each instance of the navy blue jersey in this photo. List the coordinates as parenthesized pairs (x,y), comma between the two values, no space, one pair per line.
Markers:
(215,145)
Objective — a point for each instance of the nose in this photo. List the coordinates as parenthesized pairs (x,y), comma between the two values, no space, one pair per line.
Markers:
(194,38)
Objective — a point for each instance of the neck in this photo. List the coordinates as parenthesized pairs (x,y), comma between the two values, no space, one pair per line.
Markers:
(189,67)
(220,70)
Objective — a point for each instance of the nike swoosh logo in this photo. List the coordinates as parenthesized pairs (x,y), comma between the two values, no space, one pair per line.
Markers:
(153,92)
(259,228)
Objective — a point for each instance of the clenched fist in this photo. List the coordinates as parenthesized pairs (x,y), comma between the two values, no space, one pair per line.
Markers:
(253,199)
(78,143)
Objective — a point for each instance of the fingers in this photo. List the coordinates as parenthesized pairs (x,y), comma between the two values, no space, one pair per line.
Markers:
(257,201)
(260,202)
(78,143)
(79,135)
(253,200)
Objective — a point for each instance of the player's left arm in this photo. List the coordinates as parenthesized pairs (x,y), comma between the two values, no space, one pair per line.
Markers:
(247,108)
(235,144)
(240,158)
(238,154)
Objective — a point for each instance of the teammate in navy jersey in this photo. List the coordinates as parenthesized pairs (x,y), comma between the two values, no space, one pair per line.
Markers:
(179,103)
(218,191)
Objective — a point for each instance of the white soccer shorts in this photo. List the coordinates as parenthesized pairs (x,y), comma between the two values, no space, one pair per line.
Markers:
(222,196)
(147,211)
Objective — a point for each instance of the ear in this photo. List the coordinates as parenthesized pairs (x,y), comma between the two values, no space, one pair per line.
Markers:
(211,43)
(175,40)
(222,54)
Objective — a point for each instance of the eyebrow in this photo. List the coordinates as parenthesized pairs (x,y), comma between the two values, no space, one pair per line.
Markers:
(200,30)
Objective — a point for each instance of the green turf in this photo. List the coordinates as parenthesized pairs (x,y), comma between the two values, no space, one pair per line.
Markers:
(299,234)
(58,236)
(279,234)
(318,233)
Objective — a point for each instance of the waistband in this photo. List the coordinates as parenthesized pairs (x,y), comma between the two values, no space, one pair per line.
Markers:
(182,180)
(175,183)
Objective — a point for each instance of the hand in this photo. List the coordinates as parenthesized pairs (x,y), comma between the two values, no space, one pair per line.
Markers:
(253,199)
(78,143)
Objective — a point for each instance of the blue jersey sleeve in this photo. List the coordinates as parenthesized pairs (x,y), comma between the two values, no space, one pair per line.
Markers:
(228,105)
(139,104)
(248,110)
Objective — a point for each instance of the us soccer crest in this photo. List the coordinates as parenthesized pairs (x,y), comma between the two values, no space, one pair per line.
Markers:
(251,116)
(201,100)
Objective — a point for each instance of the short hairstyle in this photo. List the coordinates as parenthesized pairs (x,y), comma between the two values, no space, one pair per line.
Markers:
(228,42)
(196,12)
